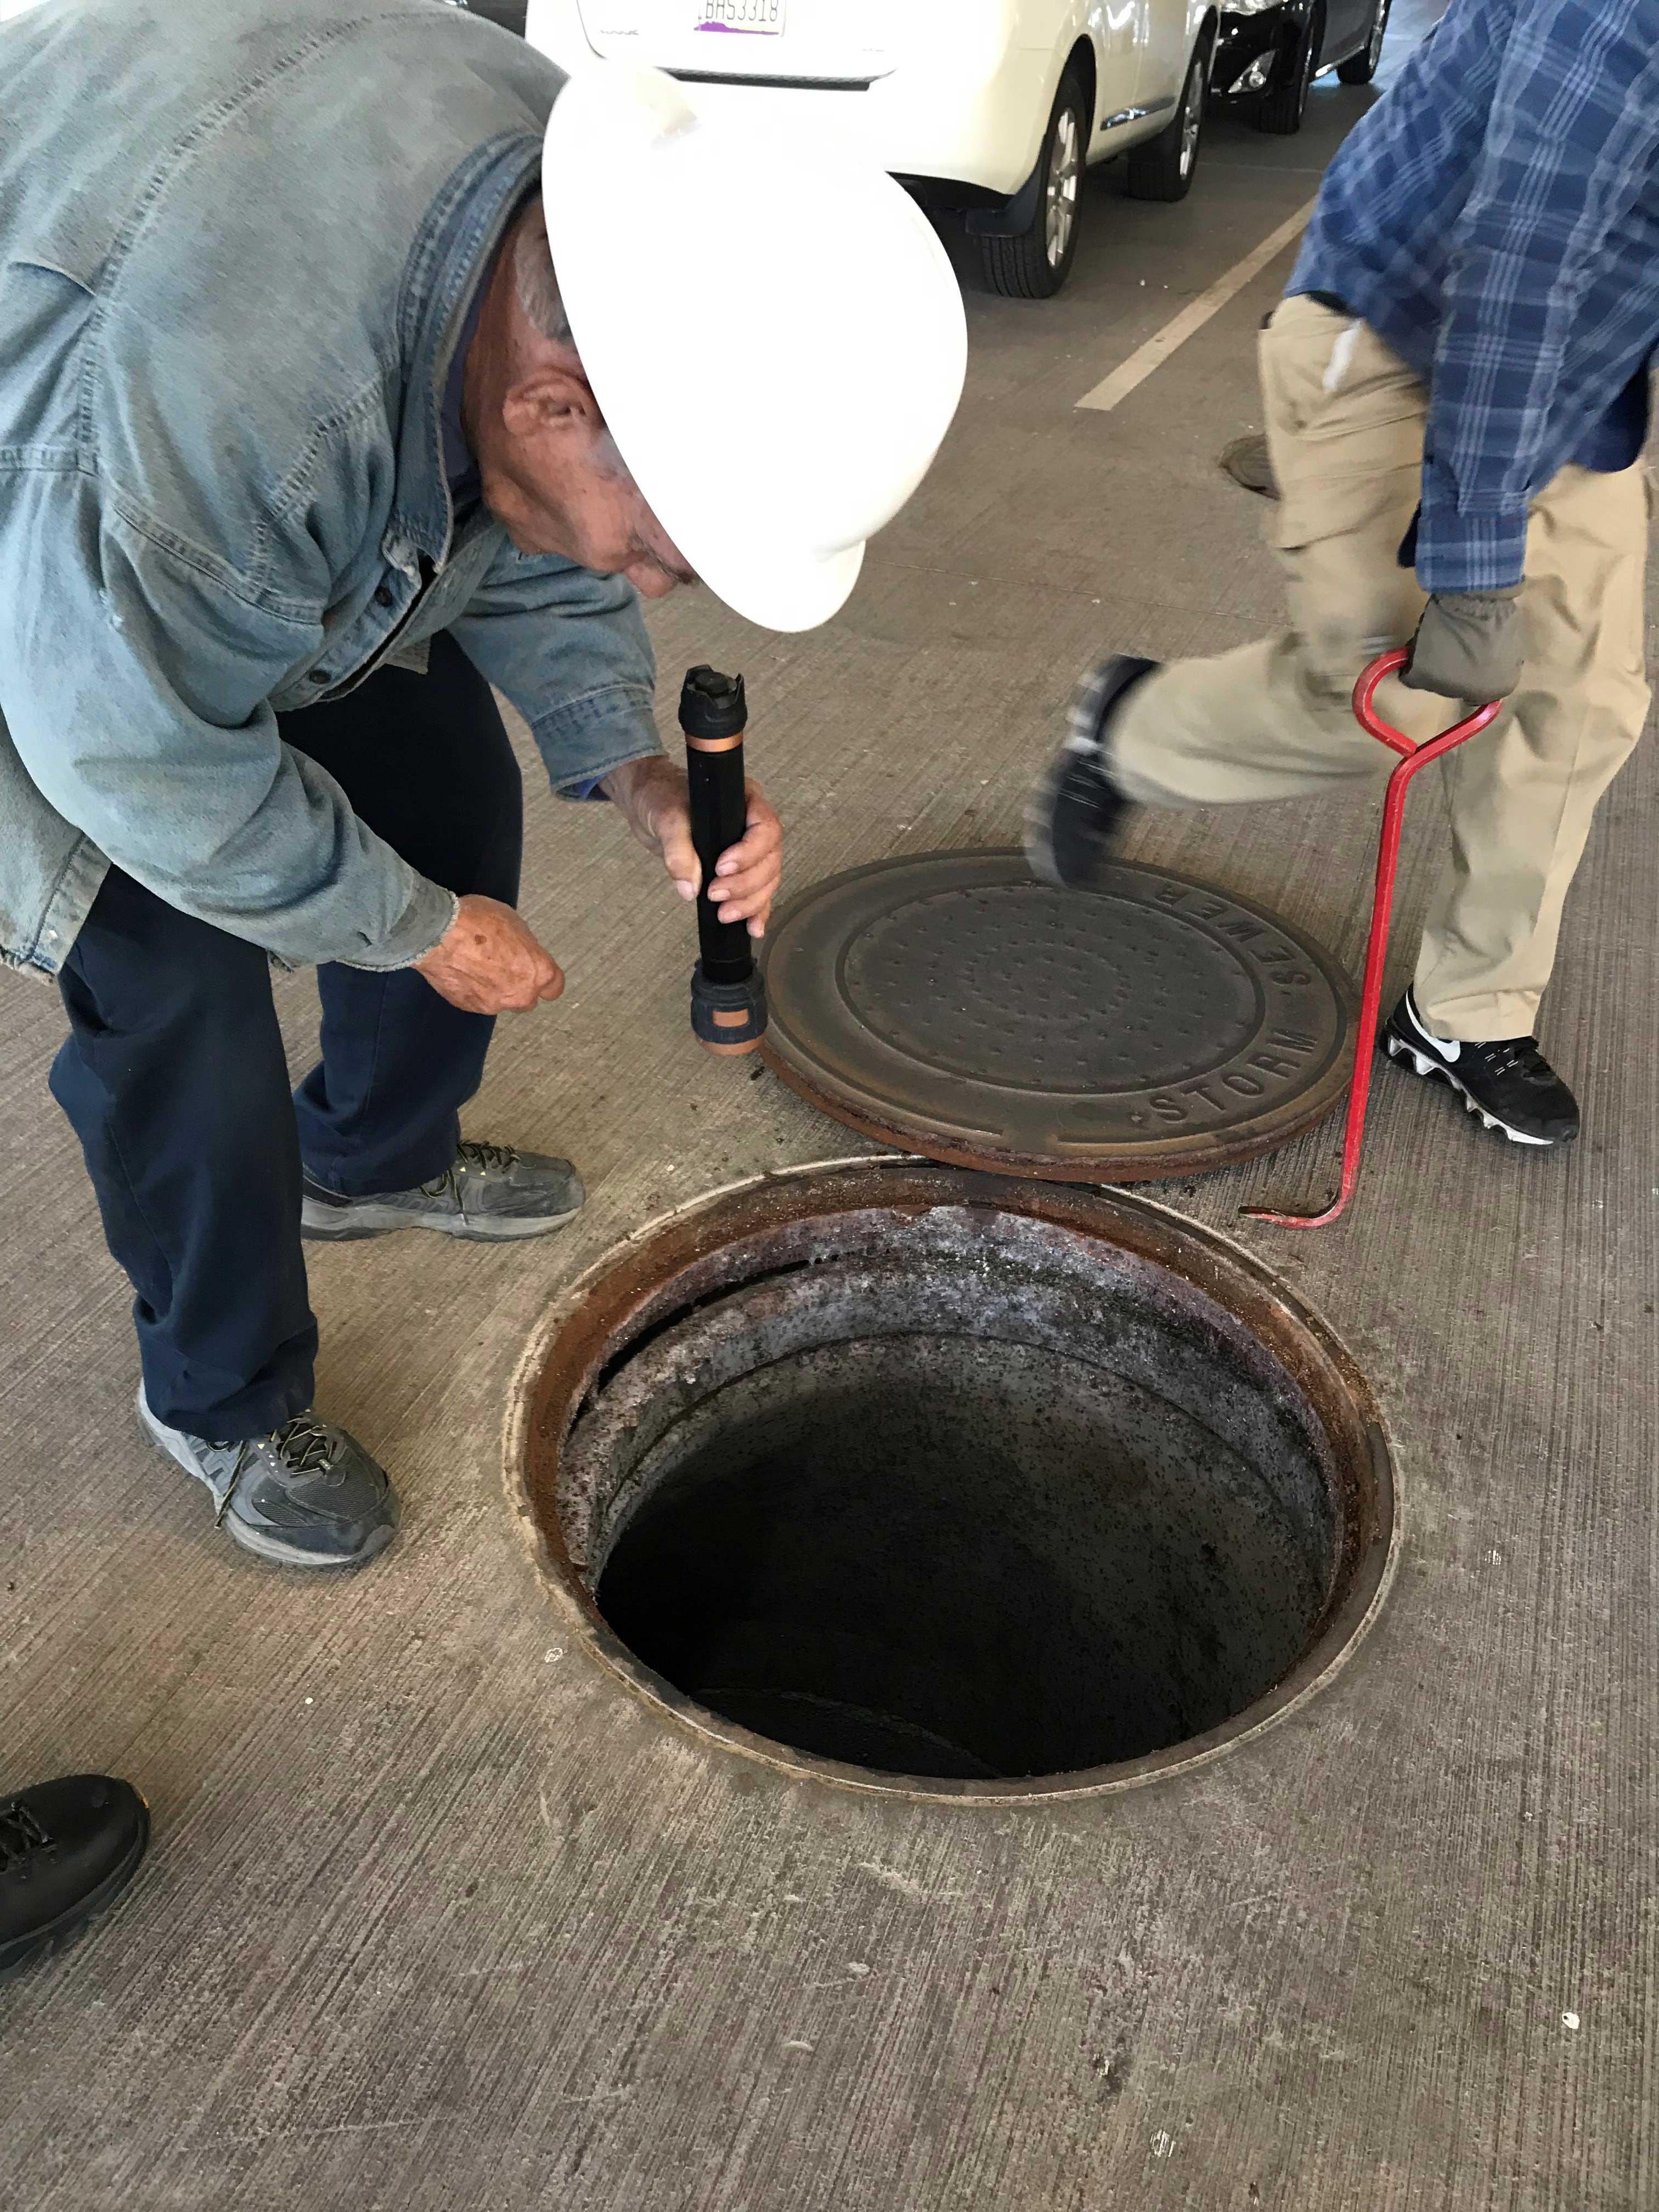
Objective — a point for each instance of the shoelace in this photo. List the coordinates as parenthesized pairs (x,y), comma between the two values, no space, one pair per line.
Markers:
(21,1834)
(1518,1056)
(301,1444)
(483,1158)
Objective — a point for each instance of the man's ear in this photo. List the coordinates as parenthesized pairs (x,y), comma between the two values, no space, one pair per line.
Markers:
(549,398)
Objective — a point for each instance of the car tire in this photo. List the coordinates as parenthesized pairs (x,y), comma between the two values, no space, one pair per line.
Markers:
(1361,68)
(1034,264)
(1164,168)
(1280,112)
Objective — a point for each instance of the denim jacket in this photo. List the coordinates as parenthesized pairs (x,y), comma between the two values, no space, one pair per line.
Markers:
(238,239)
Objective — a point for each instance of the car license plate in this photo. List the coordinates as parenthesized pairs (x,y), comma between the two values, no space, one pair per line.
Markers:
(755,19)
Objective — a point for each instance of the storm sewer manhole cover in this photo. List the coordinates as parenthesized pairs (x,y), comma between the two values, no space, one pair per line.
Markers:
(1156,1025)
(953,1484)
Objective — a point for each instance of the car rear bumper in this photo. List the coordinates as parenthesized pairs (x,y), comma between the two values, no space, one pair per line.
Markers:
(919,121)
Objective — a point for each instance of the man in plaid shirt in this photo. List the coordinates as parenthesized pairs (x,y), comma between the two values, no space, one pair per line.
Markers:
(1457,383)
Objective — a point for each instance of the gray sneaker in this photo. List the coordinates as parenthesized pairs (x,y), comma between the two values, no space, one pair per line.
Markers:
(487,1191)
(308,1495)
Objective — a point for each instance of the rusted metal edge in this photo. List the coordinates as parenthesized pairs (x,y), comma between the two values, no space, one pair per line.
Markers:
(1198,1154)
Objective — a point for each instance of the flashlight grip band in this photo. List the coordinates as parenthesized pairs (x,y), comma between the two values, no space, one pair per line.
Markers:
(719,815)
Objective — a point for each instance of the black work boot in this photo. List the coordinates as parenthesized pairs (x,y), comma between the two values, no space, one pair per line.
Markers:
(68,1849)
(1247,462)
(1509,1084)
(1073,813)
(308,1495)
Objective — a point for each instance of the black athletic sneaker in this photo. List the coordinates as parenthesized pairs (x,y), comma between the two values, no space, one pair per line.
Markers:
(1509,1084)
(1247,462)
(68,1849)
(1072,812)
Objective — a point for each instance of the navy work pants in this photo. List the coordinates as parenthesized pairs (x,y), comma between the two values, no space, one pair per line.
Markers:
(174,1077)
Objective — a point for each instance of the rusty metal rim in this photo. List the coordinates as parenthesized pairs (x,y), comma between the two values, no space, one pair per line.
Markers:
(1159,1159)
(613,1299)
(1194,1154)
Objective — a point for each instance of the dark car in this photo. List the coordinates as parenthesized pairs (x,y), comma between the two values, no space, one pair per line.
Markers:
(1267,53)
(509,13)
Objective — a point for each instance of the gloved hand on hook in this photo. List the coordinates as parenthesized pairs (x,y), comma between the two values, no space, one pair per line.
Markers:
(1468,645)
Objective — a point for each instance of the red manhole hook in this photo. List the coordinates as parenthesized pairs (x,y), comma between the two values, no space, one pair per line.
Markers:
(1411,757)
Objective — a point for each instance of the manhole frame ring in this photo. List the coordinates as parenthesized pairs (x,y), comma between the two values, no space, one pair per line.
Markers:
(633,1270)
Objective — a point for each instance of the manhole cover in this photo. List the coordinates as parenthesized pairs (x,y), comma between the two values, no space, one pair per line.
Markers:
(1156,1026)
(953,1484)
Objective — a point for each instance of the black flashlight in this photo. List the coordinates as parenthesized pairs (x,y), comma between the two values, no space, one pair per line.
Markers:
(728,999)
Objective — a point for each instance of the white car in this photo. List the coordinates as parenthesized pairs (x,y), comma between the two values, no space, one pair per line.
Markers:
(992,106)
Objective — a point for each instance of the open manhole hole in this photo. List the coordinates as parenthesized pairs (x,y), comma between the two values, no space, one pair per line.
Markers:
(949,1483)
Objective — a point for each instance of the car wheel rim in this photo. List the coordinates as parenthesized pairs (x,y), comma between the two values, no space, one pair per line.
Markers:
(1064,172)
(1191,121)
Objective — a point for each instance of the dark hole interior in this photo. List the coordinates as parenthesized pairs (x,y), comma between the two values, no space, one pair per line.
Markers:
(924,1548)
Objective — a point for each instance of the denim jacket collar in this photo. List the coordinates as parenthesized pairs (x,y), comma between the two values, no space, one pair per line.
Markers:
(449,263)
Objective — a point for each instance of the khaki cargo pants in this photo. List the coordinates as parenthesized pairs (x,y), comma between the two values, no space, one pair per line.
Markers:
(1344,421)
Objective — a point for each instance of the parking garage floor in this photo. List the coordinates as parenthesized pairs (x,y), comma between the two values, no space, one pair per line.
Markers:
(439,1916)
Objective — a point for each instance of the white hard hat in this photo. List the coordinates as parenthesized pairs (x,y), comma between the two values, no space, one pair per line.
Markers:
(776,336)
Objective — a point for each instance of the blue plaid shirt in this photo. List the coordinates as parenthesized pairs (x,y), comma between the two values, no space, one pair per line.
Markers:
(1496,221)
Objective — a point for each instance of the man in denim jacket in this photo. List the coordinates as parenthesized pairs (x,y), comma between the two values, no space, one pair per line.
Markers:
(297,460)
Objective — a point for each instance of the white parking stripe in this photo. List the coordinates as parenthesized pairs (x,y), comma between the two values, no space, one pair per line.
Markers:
(1157,348)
